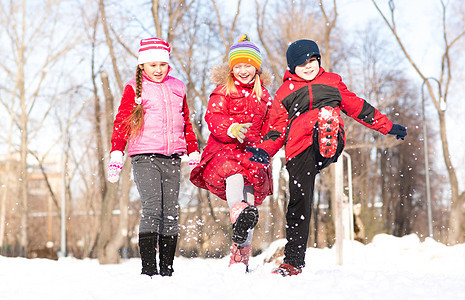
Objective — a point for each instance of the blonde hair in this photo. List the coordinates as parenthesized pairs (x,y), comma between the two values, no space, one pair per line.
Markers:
(230,86)
(135,121)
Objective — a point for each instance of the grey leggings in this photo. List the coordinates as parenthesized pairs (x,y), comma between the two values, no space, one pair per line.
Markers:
(157,179)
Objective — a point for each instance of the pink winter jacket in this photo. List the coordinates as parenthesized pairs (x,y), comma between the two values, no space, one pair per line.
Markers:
(167,129)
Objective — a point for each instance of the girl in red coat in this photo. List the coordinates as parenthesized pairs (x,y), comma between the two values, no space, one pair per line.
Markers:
(237,117)
(305,117)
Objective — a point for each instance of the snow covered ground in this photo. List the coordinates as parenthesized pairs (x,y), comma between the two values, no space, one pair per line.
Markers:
(388,268)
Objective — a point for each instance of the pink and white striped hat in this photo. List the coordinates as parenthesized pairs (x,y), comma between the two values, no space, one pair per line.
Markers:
(154,49)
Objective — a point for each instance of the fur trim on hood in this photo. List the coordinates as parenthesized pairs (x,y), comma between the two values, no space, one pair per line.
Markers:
(219,75)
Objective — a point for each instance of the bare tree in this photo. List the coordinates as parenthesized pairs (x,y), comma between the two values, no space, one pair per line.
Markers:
(6,176)
(276,32)
(451,38)
(28,35)
(174,13)
(109,241)
(330,22)
(185,20)
(109,252)
(386,174)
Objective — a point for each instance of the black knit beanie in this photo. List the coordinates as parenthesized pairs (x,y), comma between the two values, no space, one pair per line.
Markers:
(299,51)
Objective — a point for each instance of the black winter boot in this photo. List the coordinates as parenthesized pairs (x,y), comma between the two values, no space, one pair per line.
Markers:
(245,222)
(167,248)
(148,252)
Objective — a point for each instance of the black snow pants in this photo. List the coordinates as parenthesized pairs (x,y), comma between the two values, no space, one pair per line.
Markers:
(302,172)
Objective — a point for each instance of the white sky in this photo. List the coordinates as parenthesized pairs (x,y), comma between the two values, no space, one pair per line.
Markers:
(417,22)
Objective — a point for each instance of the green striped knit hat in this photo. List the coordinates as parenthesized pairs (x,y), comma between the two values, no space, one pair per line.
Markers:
(244,51)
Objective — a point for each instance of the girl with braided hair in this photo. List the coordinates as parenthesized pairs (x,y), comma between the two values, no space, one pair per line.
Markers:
(153,121)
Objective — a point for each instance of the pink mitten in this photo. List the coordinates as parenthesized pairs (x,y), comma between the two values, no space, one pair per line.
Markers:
(115,166)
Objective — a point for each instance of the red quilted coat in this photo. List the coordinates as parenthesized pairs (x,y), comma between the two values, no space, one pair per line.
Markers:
(295,110)
(225,156)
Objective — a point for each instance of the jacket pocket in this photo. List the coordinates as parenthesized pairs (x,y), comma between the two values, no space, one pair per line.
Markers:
(178,93)
(177,101)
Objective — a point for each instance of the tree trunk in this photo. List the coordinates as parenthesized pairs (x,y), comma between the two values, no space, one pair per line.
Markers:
(456,218)
(114,62)
(108,190)
(115,240)
(7,176)
(23,180)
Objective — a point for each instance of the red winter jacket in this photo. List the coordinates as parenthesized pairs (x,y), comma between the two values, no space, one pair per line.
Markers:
(295,111)
(225,156)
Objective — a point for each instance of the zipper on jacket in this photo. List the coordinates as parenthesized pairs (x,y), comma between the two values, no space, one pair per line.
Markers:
(166,119)
(289,128)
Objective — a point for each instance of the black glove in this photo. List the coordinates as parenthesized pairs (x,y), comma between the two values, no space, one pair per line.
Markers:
(399,131)
(259,155)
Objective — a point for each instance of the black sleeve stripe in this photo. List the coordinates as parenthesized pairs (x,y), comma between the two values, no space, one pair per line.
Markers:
(272,135)
(367,114)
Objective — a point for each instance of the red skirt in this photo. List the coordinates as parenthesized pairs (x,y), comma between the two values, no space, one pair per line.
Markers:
(213,170)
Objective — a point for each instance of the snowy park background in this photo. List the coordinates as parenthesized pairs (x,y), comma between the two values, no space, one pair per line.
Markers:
(387,268)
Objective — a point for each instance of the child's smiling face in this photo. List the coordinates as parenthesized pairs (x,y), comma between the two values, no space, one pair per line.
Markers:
(156,71)
(309,69)
(244,72)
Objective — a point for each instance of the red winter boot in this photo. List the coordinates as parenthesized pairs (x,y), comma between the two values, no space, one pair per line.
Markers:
(287,270)
(240,254)
(328,127)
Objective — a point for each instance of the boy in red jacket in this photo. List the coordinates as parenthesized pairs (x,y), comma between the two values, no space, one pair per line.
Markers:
(305,117)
